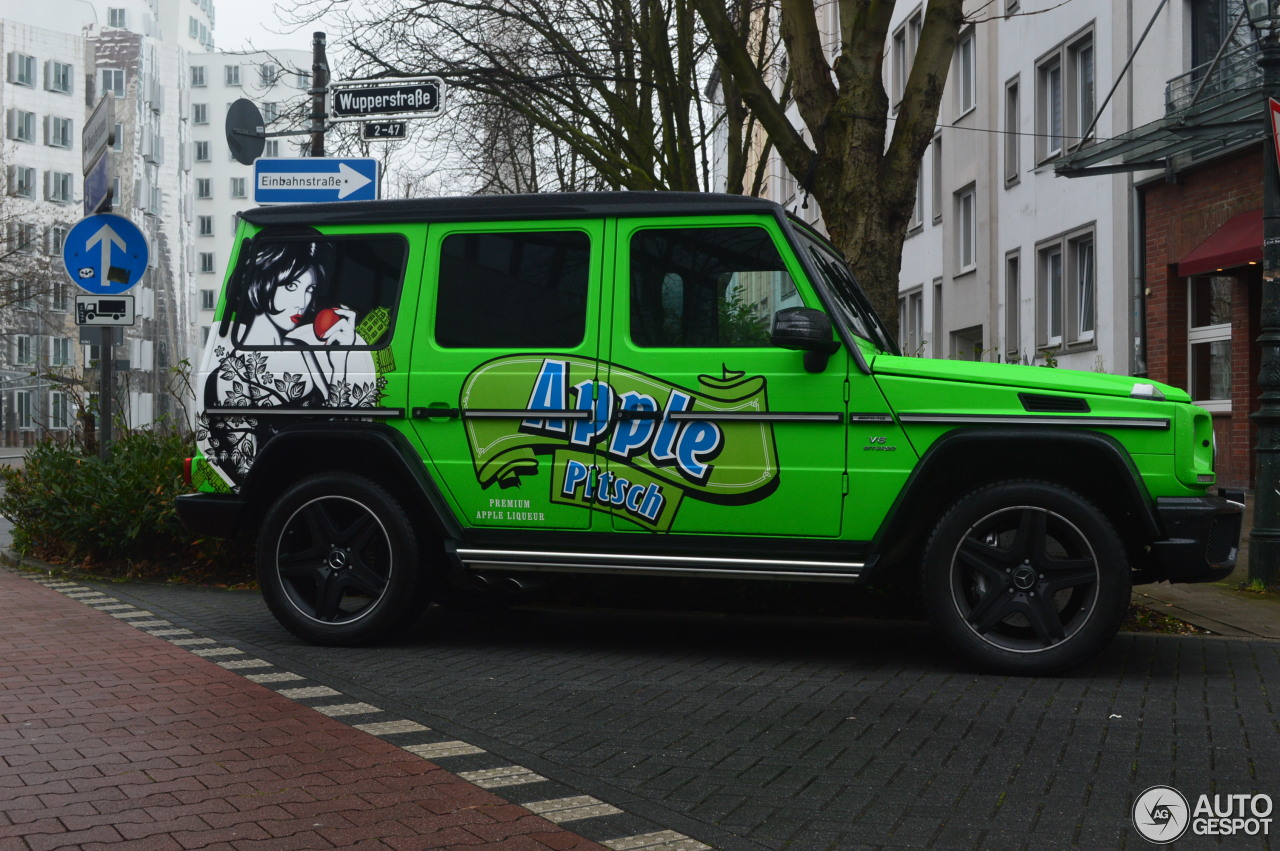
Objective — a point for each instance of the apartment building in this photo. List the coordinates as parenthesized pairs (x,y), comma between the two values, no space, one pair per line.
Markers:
(278,83)
(171,174)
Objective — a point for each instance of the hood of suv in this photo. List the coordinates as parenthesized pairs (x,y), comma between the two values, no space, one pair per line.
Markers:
(1025,377)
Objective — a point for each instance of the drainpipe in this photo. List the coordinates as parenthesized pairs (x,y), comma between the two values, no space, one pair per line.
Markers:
(1138,257)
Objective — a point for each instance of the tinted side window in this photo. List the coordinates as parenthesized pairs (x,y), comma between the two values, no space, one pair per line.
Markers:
(316,291)
(706,287)
(513,290)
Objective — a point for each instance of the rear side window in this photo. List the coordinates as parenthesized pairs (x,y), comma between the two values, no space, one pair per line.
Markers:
(513,290)
(706,287)
(295,290)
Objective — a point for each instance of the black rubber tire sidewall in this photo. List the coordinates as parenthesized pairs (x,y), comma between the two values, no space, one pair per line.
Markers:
(1113,587)
(403,598)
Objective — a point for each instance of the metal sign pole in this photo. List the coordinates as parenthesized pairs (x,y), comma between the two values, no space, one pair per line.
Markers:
(105,391)
(319,93)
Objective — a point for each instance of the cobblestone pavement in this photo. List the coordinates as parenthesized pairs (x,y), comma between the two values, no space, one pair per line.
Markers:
(751,733)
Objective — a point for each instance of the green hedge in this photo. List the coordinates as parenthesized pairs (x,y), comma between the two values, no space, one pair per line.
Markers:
(69,506)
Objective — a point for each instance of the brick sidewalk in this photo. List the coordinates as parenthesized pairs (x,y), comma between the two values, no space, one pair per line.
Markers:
(109,735)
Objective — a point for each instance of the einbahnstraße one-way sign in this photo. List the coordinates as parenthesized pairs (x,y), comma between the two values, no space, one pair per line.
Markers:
(284,180)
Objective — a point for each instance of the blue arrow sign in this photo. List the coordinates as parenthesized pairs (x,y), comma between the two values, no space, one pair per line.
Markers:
(105,254)
(294,181)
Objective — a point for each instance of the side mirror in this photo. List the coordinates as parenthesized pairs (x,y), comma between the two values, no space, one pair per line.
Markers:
(808,330)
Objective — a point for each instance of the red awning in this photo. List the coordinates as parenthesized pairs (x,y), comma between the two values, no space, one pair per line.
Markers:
(1236,243)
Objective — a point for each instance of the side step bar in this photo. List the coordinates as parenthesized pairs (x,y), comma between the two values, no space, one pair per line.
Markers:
(658,565)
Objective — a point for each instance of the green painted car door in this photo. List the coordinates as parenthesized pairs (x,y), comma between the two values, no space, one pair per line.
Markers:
(715,431)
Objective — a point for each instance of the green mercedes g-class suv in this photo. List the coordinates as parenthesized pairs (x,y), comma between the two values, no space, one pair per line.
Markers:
(408,398)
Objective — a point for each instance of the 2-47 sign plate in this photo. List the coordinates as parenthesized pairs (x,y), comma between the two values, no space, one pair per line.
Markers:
(409,97)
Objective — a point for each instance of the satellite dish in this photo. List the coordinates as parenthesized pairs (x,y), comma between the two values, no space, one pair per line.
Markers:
(246,131)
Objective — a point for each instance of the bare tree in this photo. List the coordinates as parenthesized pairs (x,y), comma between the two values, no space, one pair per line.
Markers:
(550,95)
(860,167)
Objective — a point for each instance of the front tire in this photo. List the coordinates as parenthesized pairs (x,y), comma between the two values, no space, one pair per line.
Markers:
(338,561)
(1026,578)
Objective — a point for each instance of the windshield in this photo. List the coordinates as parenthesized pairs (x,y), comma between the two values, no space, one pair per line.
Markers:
(846,298)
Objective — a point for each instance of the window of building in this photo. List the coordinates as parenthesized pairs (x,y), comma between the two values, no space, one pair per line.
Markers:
(57,132)
(238,189)
(1064,95)
(1209,341)
(936,145)
(1083,290)
(59,408)
(199,113)
(1066,291)
(1012,305)
(1012,139)
(60,186)
(22,70)
(272,148)
(113,81)
(22,181)
(967,229)
(231,74)
(116,18)
(23,350)
(205,224)
(1050,286)
(204,187)
(21,125)
(967,72)
(24,294)
(202,152)
(208,298)
(537,280)
(197,75)
(59,77)
(22,409)
(206,265)
(917,212)
(22,236)
(705,287)
(193,27)
(905,42)
(270,111)
(1049,118)
(267,73)
(911,322)
(60,296)
(60,352)
(118,135)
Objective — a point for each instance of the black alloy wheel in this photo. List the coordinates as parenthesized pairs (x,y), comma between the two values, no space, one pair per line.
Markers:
(1026,577)
(337,561)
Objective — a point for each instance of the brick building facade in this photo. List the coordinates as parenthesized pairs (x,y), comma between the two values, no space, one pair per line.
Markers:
(1188,227)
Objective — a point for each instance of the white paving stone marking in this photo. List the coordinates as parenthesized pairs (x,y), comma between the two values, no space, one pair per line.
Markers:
(388,728)
(497,778)
(561,810)
(667,840)
(443,749)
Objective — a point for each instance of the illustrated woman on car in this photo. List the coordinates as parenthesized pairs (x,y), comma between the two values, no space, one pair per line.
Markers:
(277,347)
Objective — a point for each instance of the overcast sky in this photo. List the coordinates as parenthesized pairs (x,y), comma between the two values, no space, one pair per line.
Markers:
(255,25)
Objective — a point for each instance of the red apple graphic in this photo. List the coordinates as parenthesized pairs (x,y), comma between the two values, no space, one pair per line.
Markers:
(325,320)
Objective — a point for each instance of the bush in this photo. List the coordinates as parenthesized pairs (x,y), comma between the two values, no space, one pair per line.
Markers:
(119,514)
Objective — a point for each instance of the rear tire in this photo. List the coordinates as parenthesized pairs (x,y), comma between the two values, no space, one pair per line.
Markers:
(1026,578)
(338,561)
